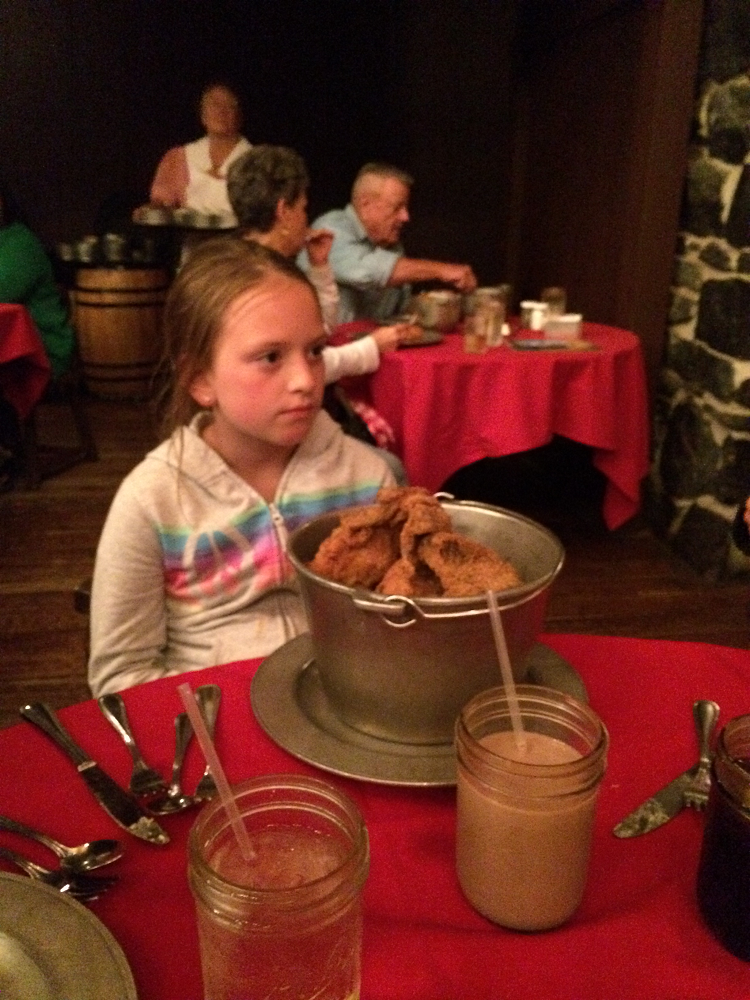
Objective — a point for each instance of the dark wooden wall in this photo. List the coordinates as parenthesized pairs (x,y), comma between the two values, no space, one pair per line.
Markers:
(92,93)
(547,136)
(606,101)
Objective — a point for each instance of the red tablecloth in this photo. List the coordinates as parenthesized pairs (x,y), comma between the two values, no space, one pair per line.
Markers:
(637,935)
(449,408)
(24,366)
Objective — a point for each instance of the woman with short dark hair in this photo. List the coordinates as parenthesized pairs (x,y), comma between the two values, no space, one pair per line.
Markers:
(260,179)
(267,189)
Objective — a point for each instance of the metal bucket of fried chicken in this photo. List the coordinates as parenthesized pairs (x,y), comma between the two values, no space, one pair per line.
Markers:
(398,610)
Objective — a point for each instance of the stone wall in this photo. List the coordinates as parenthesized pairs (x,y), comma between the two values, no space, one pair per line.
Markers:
(701,456)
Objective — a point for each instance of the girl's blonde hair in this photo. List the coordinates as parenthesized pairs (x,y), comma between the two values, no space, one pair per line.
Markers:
(215,274)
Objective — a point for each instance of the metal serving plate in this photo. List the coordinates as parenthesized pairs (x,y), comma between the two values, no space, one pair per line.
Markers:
(290,705)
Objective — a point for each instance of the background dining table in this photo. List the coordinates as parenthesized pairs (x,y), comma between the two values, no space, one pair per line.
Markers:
(638,933)
(449,408)
(24,366)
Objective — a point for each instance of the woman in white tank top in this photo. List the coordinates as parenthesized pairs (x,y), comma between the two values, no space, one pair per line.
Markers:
(195,175)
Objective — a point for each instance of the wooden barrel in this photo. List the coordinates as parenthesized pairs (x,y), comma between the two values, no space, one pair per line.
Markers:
(117,315)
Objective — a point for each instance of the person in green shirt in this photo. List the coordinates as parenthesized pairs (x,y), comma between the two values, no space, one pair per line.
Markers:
(26,277)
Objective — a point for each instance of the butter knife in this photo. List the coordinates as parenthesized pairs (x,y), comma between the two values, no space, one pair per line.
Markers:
(657,810)
(121,805)
(660,808)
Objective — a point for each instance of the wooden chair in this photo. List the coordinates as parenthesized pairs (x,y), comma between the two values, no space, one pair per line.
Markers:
(82,604)
(40,460)
(82,596)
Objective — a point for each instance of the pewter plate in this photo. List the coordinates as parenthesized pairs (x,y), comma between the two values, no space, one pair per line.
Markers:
(52,946)
(290,705)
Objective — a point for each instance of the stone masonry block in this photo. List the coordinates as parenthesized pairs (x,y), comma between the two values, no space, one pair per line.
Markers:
(702,370)
(682,308)
(727,114)
(689,454)
(724,317)
(742,396)
(702,208)
(688,274)
(738,222)
(732,483)
(703,541)
(716,255)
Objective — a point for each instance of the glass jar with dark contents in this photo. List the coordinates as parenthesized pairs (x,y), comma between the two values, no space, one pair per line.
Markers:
(724,867)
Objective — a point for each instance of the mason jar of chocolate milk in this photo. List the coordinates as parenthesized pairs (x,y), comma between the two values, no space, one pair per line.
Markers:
(526,803)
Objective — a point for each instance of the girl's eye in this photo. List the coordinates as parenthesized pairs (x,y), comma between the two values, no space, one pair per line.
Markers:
(316,351)
(271,357)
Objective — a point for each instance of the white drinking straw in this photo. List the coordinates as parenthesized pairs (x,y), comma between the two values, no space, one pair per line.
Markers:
(212,759)
(506,671)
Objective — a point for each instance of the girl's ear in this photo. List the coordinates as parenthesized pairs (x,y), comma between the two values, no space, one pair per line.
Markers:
(202,391)
(282,209)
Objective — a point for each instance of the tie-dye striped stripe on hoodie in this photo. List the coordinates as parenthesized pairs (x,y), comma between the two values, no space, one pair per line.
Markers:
(191,568)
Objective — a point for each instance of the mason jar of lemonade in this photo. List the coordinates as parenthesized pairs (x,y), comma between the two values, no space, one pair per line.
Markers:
(287,920)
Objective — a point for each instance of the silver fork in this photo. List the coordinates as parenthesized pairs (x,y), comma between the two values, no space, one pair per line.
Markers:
(144,780)
(208,697)
(79,886)
(705,715)
(174,799)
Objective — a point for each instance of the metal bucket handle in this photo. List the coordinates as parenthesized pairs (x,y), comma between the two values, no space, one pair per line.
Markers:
(397,606)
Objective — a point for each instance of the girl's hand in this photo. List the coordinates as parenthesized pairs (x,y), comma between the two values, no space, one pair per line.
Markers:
(318,243)
(388,337)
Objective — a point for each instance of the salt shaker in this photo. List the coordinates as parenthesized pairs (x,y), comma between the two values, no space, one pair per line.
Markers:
(724,867)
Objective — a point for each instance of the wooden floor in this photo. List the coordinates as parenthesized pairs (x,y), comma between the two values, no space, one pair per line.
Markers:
(613,583)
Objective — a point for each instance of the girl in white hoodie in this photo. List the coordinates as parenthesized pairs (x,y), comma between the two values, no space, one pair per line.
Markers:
(191,568)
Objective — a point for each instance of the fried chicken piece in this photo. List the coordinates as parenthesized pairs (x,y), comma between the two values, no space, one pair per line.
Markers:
(464,567)
(408,579)
(370,516)
(400,496)
(424,518)
(356,556)
(393,507)
(404,545)
(369,539)
(419,511)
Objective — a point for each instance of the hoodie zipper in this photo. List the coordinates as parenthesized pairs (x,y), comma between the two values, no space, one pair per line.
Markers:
(282,536)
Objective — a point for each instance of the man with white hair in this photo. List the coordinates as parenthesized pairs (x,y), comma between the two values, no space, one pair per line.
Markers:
(371,269)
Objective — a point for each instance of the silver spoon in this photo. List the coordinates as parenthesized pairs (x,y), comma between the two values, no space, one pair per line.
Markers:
(82,858)
(175,799)
(79,885)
